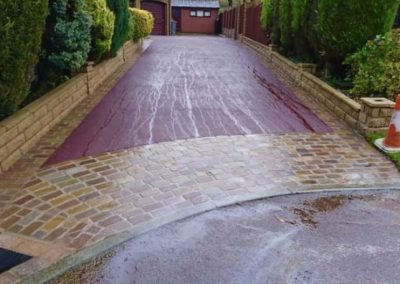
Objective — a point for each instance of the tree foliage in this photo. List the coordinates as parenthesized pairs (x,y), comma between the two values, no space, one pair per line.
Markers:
(21,28)
(122,25)
(102,29)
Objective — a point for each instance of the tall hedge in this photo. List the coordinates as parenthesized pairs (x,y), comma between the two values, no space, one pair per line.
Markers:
(345,26)
(303,12)
(285,23)
(267,13)
(270,19)
(102,29)
(122,29)
(142,23)
(330,29)
(21,27)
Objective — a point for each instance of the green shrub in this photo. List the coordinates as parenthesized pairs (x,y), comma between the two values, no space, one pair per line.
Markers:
(267,14)
(376,67)
(122,24)
(21,27)
(102,27)
(344,26)
(150,23)
(66,45)
(66,41)
(142,23)
(69,41)
(285,24)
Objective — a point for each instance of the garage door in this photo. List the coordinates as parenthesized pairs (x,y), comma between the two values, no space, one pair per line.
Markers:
(158,11)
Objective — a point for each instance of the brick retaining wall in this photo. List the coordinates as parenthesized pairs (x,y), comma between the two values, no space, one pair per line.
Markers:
(23,130)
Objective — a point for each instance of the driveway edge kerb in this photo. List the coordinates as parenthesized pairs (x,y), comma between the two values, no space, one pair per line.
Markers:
(103,246)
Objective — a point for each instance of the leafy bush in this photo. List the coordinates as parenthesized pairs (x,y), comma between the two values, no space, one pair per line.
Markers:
(69,42)
(102,27)
(122,26)
(66,45)
(142,23)
(376,67)
(21,27)
(344,26)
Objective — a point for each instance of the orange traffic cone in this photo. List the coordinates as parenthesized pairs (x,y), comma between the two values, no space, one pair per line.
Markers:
(391,143)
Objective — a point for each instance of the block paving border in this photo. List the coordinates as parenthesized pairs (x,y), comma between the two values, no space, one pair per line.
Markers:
(81,203)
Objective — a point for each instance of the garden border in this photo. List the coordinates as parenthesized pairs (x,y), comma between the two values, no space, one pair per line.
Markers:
(371,115)
(21,131)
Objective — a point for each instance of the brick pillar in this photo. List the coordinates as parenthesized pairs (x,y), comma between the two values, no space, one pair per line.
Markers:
(375,115)
(308,67)
(87,69)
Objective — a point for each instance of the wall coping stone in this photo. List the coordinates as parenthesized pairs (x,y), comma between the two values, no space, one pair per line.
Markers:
(274,47)
(378,102)
(353,104)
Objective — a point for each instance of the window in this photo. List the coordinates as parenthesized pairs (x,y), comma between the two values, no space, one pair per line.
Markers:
(200,13)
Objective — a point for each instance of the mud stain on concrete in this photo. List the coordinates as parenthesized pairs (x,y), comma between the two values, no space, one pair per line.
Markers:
(309,210)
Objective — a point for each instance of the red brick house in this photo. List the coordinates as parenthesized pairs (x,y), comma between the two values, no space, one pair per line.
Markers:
(195,16)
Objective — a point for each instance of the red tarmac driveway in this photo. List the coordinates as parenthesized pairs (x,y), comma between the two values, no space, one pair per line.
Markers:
(189,87)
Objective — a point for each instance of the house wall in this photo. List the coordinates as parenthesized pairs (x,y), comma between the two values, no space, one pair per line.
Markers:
(203,25)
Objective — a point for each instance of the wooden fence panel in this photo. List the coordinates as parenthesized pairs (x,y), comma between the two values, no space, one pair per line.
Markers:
(253,24)
(241,19)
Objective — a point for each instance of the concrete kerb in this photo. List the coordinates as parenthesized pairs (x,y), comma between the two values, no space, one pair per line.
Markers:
(103,246)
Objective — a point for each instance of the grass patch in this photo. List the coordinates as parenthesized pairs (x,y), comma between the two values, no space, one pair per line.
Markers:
(395,157)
